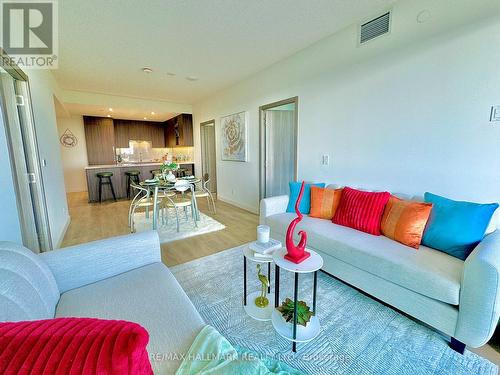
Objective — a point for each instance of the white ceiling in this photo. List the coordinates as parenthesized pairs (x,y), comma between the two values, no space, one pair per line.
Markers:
(116,106)
(104,44)
(124,113)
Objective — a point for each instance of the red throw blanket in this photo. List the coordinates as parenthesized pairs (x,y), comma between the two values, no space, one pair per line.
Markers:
(73,346)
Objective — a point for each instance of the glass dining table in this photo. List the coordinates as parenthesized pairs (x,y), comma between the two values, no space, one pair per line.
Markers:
(154,188)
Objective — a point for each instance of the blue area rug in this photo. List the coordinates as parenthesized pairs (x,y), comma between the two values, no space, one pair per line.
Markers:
(358,334)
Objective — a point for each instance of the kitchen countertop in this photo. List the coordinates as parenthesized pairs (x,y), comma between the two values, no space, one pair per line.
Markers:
(128,165)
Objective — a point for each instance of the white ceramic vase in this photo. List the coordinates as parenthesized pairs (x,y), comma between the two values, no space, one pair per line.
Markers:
(170,177)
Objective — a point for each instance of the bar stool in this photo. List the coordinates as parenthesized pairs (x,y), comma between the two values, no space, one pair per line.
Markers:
(105,179)
(154,172)
(132,176)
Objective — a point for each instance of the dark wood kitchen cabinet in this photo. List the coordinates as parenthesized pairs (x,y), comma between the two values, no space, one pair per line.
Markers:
(137,131)
(157,135)
(128,130)
(100,139)
(104,134)
(122,134)
(170,133)
(187,130)
(179,131)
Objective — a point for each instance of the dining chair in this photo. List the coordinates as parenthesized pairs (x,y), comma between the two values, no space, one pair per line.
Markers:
(179,201)
(142,199)
(203,191)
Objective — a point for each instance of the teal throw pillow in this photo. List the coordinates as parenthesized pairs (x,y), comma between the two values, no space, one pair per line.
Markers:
(305,203)
(456,227)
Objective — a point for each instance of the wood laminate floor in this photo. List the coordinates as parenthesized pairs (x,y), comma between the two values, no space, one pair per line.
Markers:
(94,221)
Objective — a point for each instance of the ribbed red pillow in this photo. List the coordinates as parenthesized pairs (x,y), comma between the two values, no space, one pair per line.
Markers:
(74,346)
(361,210)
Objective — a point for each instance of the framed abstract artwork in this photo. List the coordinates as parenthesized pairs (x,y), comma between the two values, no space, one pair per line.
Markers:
(234,136)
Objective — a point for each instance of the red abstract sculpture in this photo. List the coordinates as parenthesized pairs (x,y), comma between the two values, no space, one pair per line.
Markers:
(296,254)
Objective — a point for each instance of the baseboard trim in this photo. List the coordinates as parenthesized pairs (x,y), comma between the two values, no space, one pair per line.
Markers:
(63,233)
(238,204)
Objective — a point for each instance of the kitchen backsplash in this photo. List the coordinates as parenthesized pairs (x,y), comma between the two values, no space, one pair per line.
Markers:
(142,151)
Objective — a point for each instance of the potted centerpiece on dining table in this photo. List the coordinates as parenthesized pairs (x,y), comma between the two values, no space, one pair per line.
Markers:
(167,168)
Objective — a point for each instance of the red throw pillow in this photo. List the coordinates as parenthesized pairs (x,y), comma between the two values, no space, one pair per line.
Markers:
(361,210)
(74,346)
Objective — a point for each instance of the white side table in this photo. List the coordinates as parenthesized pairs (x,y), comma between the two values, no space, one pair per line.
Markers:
(258,313)
(287,330)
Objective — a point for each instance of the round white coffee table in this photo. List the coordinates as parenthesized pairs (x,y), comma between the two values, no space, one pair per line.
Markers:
(258,313)
(290,331)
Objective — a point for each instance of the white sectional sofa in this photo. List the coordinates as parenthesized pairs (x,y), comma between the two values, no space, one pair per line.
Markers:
(458,298)
(117,278)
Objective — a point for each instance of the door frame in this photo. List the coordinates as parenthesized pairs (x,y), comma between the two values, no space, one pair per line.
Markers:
(262,140)
(31,158)
(9,66)
(202,124)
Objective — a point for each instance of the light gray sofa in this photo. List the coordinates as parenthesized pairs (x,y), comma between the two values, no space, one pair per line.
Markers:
(117,278)
(461,299)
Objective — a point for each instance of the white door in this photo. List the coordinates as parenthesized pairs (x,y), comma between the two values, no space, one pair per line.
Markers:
(23,151)
(280,151)
(208,158)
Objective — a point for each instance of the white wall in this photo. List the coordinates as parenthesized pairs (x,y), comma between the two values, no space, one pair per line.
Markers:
(43,89)
(74,159)
(408,112)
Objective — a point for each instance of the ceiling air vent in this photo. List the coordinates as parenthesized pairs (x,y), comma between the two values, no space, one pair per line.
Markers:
(375,28)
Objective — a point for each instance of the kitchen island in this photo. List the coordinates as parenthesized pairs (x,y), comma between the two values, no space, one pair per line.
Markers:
(119,178)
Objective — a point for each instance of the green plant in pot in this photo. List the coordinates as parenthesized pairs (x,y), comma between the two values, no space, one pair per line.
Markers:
(166,166)
(304,313)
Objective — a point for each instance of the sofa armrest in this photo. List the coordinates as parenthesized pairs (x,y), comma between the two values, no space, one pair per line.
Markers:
(271,206)
(88,263)
(479,307)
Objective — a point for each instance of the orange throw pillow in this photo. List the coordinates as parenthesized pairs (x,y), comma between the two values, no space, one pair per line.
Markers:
(404,221)
(324,202)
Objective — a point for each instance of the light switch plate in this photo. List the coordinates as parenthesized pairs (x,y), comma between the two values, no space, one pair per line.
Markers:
(495,113)
(325,160)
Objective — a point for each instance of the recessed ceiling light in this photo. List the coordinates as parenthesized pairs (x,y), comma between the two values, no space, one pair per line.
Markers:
(147,70)
(153,113)
(424,16)
(110,109)
(145,118)
(170,74)
(109,115)
(192,78)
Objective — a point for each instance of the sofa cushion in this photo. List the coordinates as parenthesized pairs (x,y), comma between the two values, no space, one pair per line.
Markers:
(28,290)
(361,210)
(324,202)
(456,227)
(87,263)
(149,296)
(305,203)
(427,271)
(404,221)
(74,346)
